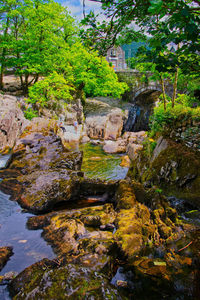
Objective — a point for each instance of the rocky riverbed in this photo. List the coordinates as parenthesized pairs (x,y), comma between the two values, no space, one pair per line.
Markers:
(75,225)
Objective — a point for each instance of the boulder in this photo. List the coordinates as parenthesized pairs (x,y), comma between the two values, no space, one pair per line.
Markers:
(50,280)
(162,144)
(125,161)
(5,253)
(118,146)
(12,121)
(76,233)
(144,218)
(70,136)
(42,172)
(133,150)
(130,142)
(46,188)
(107,127)
(135,137)
(173,167)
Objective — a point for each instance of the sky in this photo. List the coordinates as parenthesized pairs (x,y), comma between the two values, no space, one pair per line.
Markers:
(76,7)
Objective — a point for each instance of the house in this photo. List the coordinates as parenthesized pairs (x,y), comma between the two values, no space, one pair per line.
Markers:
(116,56)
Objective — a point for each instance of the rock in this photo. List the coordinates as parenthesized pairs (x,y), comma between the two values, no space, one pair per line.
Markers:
(130,142)
(5,253)
(152,222)
(109,227)
(98,187)
(125,161)
(96,142)
(151,267)
(122,283)
(162,144)
(9,276)
(108,127)
(12,121)
(96,107)
(118,146)
(125,196)
(85,139)
(135,137)
(68,232)
(71,137)
(46,280)
(67,112)
(173,167)
(46,188)
(133,150)
(42,169)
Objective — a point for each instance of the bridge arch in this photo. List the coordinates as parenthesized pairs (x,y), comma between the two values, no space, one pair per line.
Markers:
(143,103)
(147,89)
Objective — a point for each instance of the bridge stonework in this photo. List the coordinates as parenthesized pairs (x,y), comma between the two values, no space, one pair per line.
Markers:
(138,86)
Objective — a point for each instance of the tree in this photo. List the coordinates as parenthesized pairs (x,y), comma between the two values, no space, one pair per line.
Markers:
(164,23)
(33,31)
(47,28)
(92,73)
(79,72)
(8,20)
(103,36)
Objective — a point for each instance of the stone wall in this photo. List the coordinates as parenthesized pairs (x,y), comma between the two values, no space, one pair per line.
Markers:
(187,132)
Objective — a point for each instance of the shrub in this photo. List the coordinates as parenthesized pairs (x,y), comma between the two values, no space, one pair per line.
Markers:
(162,119)
(48,92)
(30,114)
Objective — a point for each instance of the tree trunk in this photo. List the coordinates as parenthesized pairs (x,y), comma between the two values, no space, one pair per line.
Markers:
(1,75)
(175,87)
(3,55)
(36,78)
(175,83)
(2,67)
(24,84)
(163,91)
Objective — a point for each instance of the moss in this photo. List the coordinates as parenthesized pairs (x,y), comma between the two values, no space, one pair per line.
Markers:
(125,196)
(176,171)
(5,253)
(45,281)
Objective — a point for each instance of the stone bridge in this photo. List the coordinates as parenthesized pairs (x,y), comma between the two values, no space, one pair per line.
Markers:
(140,83)
(143,94)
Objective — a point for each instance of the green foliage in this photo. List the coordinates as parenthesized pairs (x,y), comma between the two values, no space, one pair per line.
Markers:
(79,71)
(47,92)
(162,119)
(30,114)
(171,27)
(90,72)
(149,146)
(187,100)
(159,191)
(32,34)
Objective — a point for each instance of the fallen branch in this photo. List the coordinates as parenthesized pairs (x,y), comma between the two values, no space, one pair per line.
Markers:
(185,247)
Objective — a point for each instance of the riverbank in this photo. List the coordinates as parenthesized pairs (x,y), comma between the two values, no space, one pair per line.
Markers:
(113,237)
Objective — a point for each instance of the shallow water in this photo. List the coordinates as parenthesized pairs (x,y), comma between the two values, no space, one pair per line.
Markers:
(28,246)
(98,164)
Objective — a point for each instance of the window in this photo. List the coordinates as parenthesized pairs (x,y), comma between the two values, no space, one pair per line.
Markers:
(113,53)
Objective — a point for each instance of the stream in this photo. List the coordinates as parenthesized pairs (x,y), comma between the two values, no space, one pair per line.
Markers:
(28,245)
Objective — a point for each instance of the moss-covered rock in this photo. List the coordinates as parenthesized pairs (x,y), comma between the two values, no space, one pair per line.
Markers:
(46,280)
(145,218)
(175,169)
(42,172)
(125,196)
(5,253)
(46,188)
(76,235)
